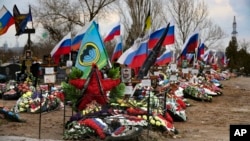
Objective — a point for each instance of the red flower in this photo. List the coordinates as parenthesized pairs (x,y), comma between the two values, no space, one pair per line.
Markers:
(94,89)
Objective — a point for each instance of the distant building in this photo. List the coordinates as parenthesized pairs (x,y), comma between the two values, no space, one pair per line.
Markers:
(5,46)
(234,33)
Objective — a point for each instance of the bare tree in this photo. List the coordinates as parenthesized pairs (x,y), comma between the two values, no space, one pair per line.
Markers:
(244,45)
(190,16)
(133,15)
(59,17)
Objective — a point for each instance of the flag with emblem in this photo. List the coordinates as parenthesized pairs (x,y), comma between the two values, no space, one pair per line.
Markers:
(92,51)
(21,20)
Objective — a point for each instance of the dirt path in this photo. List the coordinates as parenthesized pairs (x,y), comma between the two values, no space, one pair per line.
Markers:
(207,121)
(211,121)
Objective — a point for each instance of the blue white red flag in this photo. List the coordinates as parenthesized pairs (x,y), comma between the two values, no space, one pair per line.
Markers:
(206,56)
(118,49)
(6,20)
(116,31)
(136,55)
(62,48)
(190,57)
(201,51)
(155,36)
(190,45)
(223,59)
(165,58)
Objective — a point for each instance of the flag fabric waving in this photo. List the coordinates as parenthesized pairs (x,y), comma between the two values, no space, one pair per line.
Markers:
(77,40)
(148,23)
(152,57)
(135,55)
(190,57)
(206,57)
(21,20)
(62,48)
(118,49)
(30,15)
(165,58)
(6,20)
(200,52)
(116,31)
(190,45)
(155,36)
(92,51)
(128,53)
(223,59)
(139,56)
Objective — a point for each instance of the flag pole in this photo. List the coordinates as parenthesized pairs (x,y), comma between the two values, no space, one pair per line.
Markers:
(105,51)
(152,56)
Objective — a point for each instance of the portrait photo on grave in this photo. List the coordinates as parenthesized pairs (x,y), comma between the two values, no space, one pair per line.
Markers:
(28,54)
(126,75)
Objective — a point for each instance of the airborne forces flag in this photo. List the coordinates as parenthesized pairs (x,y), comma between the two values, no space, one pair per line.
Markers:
(92,51)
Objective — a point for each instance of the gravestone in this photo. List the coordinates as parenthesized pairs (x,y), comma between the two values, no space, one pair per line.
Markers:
(61,75)
(10,70)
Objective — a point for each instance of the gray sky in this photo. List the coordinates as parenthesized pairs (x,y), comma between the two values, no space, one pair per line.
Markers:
(220,11)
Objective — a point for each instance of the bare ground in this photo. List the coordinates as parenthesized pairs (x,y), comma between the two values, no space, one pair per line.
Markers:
(207,121)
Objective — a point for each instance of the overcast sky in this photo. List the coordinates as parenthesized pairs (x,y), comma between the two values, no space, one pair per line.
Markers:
(220,11)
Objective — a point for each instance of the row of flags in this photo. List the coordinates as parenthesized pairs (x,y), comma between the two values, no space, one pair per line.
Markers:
(211,57)
(76,41)
(91,50)
(90,45)
(19,19)
(135,56)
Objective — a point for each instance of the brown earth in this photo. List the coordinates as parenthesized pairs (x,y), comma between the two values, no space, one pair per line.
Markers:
(207,121)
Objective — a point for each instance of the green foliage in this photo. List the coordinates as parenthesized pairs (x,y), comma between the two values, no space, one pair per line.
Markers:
(117,93)
(114,73)
(239,59)
(231,52)
(71,93)
(75,131)
(75,73)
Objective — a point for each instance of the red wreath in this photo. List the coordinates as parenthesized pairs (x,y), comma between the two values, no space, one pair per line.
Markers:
(96,88)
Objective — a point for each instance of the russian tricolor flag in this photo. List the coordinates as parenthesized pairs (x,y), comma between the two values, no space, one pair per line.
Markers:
(206,55)
(118,49)
(223,59)
(135,56)
(116,31)
(6,20)
(201,50)
(155,36)
(77,40)
(190,57)
(62,48)
(165,58)
(190,45)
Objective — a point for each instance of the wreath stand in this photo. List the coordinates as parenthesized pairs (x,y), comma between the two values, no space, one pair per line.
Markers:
(49,79)
(94,71)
